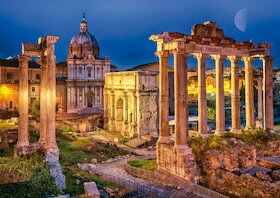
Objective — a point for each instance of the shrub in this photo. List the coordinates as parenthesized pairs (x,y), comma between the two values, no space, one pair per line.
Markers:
(25,178)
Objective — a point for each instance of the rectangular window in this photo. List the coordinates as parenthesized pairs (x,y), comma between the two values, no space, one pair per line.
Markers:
(33,89)
(80,70)
(9,76)
(37,76)
(89,72)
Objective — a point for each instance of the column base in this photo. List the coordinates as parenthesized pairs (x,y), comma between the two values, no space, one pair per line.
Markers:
(163,140)
(235,130)
(219,132)
(25,151)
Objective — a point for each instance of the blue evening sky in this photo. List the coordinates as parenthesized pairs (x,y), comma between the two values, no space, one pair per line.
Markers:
(122,27)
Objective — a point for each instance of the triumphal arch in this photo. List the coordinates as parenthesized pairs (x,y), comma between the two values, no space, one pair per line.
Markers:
(47,141)
(206,40)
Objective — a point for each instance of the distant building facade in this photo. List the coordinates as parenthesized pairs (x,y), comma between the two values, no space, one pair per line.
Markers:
(131,103)
(9,82)
(86,70)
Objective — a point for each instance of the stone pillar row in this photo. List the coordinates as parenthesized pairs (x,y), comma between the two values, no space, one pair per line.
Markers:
(47,95)
(181,102)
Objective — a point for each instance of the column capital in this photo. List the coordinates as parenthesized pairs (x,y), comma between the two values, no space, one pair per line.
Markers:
(247,59)
(233,59)
(23,59)
(162,54)
(178,51)
(200,56)
(217,57)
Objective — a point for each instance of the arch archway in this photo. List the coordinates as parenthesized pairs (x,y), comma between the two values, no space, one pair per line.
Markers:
(119,114)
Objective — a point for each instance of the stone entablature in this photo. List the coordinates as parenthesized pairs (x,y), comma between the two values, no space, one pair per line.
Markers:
(130,103)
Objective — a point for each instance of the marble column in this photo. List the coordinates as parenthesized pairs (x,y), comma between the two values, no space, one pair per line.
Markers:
(235,95)
(268,93)
(181,100)
(163,98)
(106,108)
(260,99)
(23,134)
(220,99)
(249,92)
(51,93)
(202,102)
(43,102)
(83,96)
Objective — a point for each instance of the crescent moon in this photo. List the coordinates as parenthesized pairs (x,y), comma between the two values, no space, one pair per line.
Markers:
(240,20)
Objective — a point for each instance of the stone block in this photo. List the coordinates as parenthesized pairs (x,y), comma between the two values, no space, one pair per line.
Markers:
(91,190)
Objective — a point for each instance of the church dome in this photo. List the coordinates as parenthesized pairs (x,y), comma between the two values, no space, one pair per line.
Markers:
(83,44)
(83,37)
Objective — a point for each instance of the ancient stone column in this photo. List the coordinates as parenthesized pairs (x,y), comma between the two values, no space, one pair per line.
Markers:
(202,102)
(43,102)
(163,98)
(249,92)
(112,125)
(105,105)
(268,93)
(51,92)
(235,95)
(260,100)
(23,135)
(181,100)
(220,100)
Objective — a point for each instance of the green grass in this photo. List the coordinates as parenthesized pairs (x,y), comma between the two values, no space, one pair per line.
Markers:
(74,149)
(144,164)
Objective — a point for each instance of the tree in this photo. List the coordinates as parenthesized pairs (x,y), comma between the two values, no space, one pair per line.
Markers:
(35,109)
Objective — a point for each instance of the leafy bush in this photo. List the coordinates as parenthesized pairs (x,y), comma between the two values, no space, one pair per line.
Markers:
(25,178)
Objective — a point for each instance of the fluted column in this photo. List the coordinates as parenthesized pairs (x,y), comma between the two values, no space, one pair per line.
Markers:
(202,102)
(249,92)
(260,100)
(163,98)
(51,92)
(235,95)
(43,101)
(181,100)
(105,106)
(23,135)
(268,93)
(112,125)
(220,99)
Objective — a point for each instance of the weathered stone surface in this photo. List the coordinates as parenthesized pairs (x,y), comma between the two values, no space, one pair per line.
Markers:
(263,176)
(87,167)
(29,150)
(180,162)
(230,159)
(52,159)
(276,175)
(93,161)
(273,149)
(244,185)
(91,190)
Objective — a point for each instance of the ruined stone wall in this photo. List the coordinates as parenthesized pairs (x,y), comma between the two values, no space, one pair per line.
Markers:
(176,161)
(231,159)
